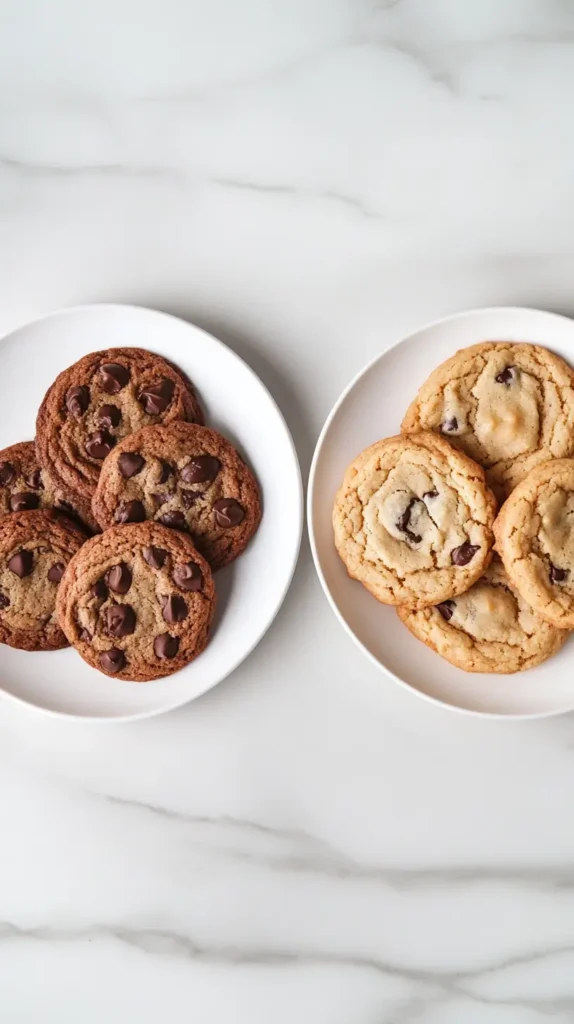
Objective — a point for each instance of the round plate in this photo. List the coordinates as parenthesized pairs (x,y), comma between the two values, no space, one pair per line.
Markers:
(371,408)
(251,591)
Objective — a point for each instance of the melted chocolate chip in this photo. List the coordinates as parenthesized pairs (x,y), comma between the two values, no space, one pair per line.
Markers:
(130,512)
(77,401)
(120,619)
(464,554)
(160,499)
(113,377)
(558,575)
(506,376)
(108,416)
(21,563)
(23,501)
(446,609)
(112,661)
(119,578)
(85,634)
(430,494)
(7,473)
(166,472)
(201,469)
(56,572)
(130,463)
(155,557)
(174,519)
(166,646)
(34,480)
(156,399)
(228,512)
(4,601)
(449,426)
(187,576)
(99,590)
(99,444)
(189,498)
(174,608)
(403,523)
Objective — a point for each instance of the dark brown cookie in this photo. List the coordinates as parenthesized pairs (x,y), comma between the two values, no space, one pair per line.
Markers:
(137,602)
(98,401)
(24,486)
(187,477)
(35,548)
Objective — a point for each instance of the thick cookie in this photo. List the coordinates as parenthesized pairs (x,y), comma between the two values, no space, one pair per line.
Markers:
(488,629)
(100,399)
(35,548)
(137,602)
(187,477)
(508,406)
(413,520)
(24,486)
(534,534)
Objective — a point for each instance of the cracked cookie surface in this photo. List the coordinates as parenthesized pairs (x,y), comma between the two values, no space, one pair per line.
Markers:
(137,602)
(508,406)
(490,628)
(98,401)
(413,520)
(35,548)
(25,486)
(187,477)
(535,538)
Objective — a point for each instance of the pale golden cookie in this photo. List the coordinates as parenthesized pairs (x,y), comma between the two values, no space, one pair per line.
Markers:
(413,520)
(535,538)
(508,406)
(488,629)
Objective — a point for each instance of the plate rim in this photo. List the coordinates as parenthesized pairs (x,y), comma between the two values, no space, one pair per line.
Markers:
(429,698)
(298,534)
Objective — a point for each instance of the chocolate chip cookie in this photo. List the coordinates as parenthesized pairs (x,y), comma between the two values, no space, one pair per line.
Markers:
(24,486)
(535,537)
(413,520)
(35,548)
(184,476)
(490,628)
(98,401)
(137,602)
(508,406)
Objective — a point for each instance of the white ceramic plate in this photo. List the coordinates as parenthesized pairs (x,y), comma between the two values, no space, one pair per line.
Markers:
(372,407)
(251,591)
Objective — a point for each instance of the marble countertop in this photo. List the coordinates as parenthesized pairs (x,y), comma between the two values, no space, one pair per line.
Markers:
(308,179)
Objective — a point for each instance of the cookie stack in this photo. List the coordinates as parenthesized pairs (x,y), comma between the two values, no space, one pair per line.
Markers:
(484,462)
(121,448)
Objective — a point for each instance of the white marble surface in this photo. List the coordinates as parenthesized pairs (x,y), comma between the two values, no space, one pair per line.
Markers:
(307,178)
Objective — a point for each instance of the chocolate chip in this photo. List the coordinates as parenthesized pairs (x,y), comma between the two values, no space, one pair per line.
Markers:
(4,601)
(99,590)
(228,512)
(403,523)
(159,499)
(201,469)
(174,519)
(114,377)
(130,512)
(77,401)
(108,416)
(449,426)
(166,646)
(558,575)
(23,501)
(85,634)
(155,557)
(464,554)
(119,578)
(7,473)
(34,480)
(99,444)
(174,608)
(446,609)
(156,399)
(21,563)
(506,376)
(56,572)
(166,472)
(187,576)
(189,498)
(112,661)
(130,463)
(120,619)
(430,494)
